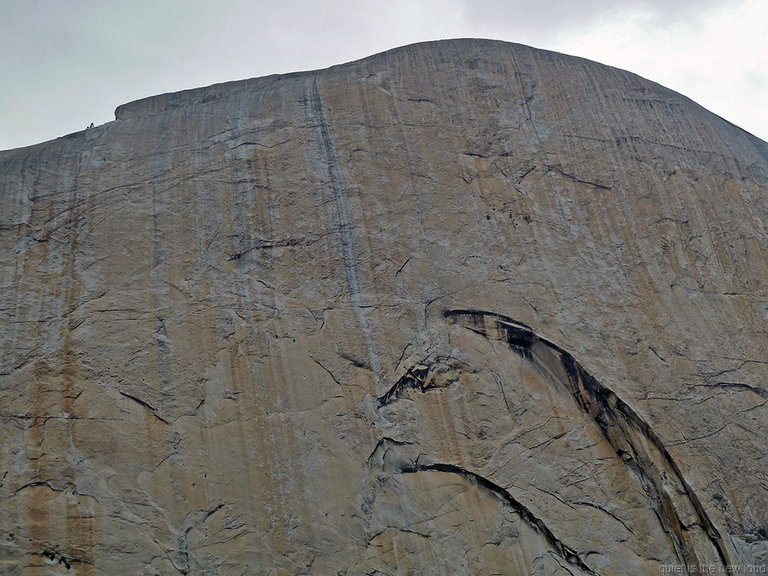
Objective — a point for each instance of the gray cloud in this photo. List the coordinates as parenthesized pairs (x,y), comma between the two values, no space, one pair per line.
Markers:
(66,64)
(547,19)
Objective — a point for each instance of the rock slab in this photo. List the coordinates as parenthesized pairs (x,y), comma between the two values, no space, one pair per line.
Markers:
(463,307)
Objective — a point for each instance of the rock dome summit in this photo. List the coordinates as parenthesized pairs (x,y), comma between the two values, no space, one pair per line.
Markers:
(462,307)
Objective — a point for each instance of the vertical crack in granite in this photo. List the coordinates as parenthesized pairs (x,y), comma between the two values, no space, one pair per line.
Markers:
(346,228)
(628,433)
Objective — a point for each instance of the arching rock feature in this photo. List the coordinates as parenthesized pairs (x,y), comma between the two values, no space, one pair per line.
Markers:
(638,456)
(462,307)
(677,506)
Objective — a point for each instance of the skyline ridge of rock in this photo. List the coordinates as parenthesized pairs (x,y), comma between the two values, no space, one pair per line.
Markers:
(459,307)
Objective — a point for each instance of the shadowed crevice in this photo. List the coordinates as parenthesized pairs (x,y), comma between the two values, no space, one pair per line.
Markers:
(565,552)
(427,375)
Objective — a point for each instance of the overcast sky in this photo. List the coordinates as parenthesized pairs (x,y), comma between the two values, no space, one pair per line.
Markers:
(67,63)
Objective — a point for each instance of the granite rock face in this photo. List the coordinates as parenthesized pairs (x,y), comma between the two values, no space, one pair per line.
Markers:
(463,307)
